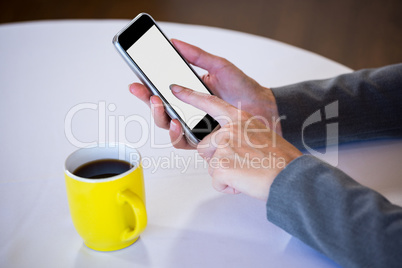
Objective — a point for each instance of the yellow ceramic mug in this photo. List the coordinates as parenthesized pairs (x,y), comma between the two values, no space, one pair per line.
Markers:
(109,213)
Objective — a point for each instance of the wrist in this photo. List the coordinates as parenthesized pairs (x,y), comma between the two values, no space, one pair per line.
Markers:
(272,111)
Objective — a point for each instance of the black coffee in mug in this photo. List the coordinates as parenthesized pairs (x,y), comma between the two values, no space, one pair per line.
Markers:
(102,168)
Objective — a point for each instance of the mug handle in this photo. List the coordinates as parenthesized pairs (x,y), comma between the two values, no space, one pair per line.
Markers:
(139,211)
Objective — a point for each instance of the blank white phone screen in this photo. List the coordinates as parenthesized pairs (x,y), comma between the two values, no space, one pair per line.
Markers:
(164,67)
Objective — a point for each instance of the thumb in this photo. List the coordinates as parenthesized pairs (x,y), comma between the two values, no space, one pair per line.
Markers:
(219,109)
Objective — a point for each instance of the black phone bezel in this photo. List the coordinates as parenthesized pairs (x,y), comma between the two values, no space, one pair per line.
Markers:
(134,32)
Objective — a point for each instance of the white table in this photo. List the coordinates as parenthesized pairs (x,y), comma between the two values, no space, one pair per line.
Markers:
(48,69)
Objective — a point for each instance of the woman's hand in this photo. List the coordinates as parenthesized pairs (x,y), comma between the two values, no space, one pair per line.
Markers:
(244,155)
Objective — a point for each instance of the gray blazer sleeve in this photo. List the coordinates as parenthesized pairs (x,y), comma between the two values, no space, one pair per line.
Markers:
(369,106)
(351,224)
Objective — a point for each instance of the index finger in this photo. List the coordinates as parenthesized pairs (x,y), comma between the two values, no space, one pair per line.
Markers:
(219,109)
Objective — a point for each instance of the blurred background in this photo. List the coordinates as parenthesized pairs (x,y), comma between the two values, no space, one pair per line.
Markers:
(356,33)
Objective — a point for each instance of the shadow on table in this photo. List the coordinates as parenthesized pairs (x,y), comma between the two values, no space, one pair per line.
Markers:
(136,255)
(299,253)
(232,231)
(196,249)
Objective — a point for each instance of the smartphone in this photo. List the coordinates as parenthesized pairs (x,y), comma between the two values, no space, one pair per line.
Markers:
(158,64)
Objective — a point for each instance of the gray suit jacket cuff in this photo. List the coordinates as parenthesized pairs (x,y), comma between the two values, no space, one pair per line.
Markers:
(322,206)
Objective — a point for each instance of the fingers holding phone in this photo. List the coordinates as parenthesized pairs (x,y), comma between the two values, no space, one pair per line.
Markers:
(161,118)
(158,64)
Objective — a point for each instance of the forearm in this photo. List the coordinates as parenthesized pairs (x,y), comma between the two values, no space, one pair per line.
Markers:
(351,224)
(368,106)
